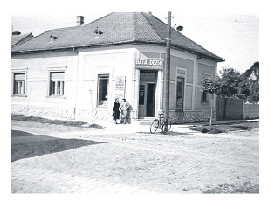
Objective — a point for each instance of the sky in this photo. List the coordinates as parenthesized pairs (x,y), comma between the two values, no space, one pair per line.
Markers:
(232,35)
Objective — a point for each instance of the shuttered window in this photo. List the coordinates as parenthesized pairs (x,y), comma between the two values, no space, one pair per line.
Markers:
(57,83)
(19,84)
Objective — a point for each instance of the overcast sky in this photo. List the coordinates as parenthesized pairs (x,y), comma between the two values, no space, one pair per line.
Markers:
(233,36)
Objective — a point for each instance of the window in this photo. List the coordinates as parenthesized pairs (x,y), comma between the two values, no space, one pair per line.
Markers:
(19,84)
(57,83)
(103,87)
(204,97)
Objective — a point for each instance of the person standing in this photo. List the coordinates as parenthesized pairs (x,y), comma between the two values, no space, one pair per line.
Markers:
(116,110)
(124,110)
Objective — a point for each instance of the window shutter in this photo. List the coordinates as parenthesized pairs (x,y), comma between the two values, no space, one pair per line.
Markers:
(58,76)
(19,76)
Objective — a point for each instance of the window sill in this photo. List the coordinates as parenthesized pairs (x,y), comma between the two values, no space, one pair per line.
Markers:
(56,96)
(16,95)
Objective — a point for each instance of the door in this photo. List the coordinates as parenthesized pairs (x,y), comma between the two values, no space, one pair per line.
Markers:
(142,100)
(148,79)
(150,110)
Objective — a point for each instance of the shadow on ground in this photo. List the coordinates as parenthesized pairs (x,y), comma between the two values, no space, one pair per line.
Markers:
(25,145)
(167,133)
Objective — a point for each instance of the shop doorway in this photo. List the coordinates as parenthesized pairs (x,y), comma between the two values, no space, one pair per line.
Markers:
(147,94)
(150,110)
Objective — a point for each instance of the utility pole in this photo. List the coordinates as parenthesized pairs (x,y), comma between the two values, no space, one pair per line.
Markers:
(167,72)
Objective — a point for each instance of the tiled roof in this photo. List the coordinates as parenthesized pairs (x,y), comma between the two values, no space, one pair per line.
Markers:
(18,39)
(116,28)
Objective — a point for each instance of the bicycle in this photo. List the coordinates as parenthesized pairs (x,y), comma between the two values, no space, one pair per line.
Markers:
(159,124)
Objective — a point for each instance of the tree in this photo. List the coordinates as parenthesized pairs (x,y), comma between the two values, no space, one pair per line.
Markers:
(252,77)
(212,86)
(229,82)
(253,72)
(233,84)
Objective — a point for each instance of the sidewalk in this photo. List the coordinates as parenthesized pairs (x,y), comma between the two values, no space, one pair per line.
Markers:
(137,126)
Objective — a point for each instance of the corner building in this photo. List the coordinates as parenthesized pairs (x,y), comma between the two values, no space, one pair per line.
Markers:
(77,72)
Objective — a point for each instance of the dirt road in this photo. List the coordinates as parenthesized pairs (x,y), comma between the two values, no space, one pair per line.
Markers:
(127,159)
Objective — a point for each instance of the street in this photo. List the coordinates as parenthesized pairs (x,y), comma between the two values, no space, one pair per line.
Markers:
(50,158)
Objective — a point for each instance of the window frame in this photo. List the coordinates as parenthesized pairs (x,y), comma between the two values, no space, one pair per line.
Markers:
(56,70)
(15,71)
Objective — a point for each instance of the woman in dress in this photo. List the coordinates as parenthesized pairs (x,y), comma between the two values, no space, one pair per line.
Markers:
(116,111)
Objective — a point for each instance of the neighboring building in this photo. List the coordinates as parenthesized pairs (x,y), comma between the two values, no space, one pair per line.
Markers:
(17,38)
(77,72)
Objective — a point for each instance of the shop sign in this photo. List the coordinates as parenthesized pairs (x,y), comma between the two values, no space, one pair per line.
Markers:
(120,83)
(148,63)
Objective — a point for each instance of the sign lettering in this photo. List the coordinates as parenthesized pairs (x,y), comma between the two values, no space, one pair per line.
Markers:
(154,63)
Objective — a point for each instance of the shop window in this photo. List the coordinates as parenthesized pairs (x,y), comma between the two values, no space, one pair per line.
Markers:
(57,83)
(142,91)
(19,84)
(204,97)
(103,87)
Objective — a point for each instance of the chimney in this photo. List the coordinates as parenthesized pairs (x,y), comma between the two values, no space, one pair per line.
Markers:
(80,20)
(16,33)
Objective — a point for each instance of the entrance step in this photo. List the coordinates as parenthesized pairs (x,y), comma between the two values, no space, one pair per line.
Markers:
(145,121)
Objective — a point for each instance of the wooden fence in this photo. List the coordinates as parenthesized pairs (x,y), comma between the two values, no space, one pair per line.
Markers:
(251,111)
(229,109)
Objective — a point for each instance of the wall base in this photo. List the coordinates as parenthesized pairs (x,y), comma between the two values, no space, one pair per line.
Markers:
(99,114)
(190,116)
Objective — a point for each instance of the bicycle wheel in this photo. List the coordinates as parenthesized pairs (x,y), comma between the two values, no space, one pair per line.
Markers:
(163,126)
(154,126)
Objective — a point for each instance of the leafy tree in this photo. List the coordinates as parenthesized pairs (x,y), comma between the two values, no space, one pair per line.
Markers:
(212,86)
(243,86)
(253,72)
(229,82)
(232,83)
(243,89)
(252,76)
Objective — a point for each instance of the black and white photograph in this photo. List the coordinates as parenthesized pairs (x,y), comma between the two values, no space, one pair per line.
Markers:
(147,100)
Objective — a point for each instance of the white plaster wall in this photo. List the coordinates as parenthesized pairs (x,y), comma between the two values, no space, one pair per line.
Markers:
(112,61)
(37,79)
(82,69)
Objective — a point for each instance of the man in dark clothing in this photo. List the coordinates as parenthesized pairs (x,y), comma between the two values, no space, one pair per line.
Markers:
(116,111)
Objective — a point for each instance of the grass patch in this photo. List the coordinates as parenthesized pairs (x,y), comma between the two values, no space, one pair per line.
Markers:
(55,122)
(226,127)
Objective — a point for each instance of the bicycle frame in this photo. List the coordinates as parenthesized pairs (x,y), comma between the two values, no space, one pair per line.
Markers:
(159,123)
